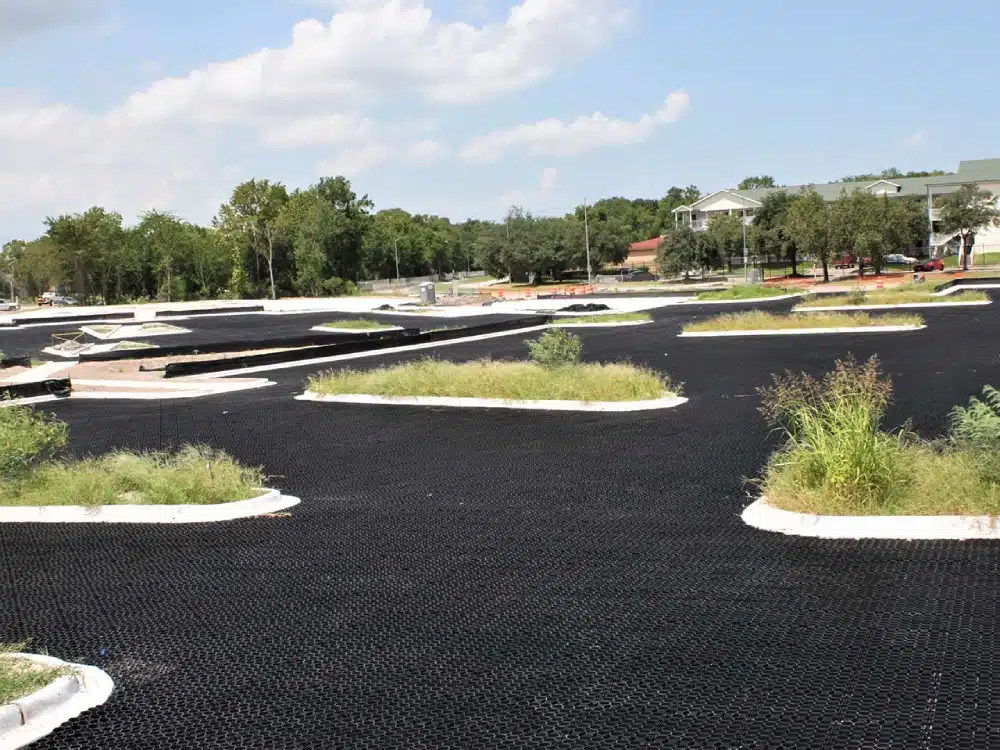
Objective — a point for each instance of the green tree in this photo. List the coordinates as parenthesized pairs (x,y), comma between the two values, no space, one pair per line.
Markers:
(725,232)
(965,212)
(681,251)
(772,237)
(674,198)
(753,183)
(252,216)
(808,224)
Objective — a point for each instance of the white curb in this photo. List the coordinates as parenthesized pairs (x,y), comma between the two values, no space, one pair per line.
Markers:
(904,305)
(800,331)
(742,301)
(965,287)
(668,402)
(128,331)
(388,351)
(329,329)
(602,325)
(34,716)
(766,517)
(270,502)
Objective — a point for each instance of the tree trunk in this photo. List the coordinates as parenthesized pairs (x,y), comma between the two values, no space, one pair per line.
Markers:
(965,253)
(826,271)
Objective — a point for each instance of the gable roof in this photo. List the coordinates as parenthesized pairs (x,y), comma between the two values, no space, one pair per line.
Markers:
(652,244)
(883,182)
(739,194)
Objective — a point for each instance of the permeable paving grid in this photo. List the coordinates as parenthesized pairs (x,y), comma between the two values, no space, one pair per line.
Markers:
(513,579)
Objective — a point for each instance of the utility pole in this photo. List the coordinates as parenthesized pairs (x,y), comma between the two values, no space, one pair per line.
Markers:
(746,257)
(586,236)
(395,246)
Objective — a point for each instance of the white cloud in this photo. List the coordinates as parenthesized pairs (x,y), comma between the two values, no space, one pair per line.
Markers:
(159,146)
(521,196)
(914,140)
(554,137)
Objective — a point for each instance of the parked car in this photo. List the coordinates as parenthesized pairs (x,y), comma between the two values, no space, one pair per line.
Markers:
(8,306)
(629,274)
(849,261)
(898,259)
(63,301)
(929,265)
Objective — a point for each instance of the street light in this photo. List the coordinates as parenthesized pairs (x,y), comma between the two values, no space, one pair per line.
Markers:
(586,237)
(745,257)
(395,247)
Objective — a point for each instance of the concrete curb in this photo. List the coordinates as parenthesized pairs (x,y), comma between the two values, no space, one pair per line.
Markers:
(905,305)
(965,287)
(270,502)
(668,402)
(34,716)
(134,330)
(801,331)
(766,517)
(602,325)
(749,301)
(328,329)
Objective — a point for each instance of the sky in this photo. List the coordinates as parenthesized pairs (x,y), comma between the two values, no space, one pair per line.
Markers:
(462,108)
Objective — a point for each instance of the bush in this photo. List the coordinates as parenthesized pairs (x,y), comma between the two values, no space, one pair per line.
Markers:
(555,348)
(834,445)
(27,437)
(977,426)
(338,287)
(857,297)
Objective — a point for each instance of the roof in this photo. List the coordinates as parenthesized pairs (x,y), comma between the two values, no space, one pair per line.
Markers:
(978,170)
(652,244)
(738,193)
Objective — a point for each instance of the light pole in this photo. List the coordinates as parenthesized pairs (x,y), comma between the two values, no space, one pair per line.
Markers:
(395,247)
(586,236)
(745,255)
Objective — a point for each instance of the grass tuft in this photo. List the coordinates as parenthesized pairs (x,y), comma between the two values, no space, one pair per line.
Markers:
(19,678)
(502,380)
(193,476)
(626,317)
(758,320)
(906,294)
(838,461)
(743,291)
(360,325)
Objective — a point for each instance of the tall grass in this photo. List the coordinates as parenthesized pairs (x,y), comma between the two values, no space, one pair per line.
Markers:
(502,380)
(907,294)
(837,460)
(360,324)
(19,677)
(33,473)
(758,320)
(625,317)
(743,291)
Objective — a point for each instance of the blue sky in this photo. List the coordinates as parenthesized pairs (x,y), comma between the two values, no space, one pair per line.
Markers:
(134,105)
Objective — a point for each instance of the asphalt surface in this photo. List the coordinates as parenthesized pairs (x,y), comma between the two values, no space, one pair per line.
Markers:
(516,579)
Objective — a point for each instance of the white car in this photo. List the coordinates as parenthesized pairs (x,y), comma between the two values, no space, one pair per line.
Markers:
(7,306)
(900,259)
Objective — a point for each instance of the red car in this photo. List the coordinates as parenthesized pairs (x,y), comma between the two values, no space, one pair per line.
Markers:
(929,265)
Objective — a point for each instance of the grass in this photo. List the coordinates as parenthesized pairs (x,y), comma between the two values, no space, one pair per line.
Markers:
(193,476)
(358,325)
(134,345)
(626,317)
(838,461)
(982,259)
(905,294)
(19,678)
(757,320)
(501,380)
(742,291)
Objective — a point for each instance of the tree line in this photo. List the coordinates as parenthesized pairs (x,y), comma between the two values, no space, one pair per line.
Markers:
(791,226)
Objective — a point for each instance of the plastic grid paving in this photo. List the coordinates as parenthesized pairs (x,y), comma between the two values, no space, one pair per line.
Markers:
(459,579)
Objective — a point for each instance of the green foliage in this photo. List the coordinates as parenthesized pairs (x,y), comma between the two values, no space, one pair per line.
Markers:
(833,441)
(336,287)
(555,348)
(683,250)
(753,183)
(504,380)
(27,437)
(742,291)
(759,320)
(857,296)
(977,426)
(808,226)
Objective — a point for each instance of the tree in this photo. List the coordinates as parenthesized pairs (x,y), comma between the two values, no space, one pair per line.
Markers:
(252,214)
(772,237)
(680,251)
(965,212)
(726,232)
(674,198)
(808,224)
(753,183)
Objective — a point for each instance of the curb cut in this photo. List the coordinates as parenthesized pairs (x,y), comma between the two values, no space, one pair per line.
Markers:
(270,502)
(32,717)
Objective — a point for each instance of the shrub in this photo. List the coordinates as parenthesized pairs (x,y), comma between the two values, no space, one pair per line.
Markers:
(857,297)
(555,348)
(834,445)
(977,426)
(27,437)
(338,287)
